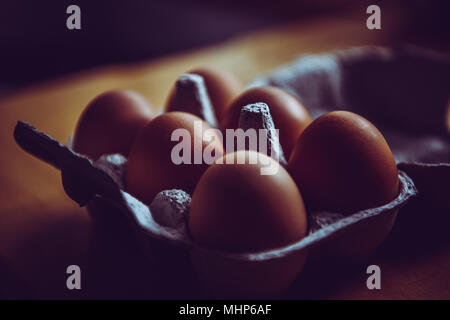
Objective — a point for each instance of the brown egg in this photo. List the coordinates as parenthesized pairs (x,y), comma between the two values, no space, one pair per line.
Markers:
(222,87)
(237,209)
(151,167)
(342,163)
(110,123)
(289,115)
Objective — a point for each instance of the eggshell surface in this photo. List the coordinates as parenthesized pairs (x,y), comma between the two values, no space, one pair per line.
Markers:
(110,123)
(151,168)
(342,163)
(236,209)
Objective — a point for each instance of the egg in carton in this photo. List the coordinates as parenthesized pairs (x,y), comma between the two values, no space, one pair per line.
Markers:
(161,227)
(404,91)
(263,273)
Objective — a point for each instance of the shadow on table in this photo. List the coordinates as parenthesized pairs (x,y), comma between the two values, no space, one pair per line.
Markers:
(420,232)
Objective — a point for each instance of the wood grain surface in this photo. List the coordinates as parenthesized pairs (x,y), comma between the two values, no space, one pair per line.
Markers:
(42,231)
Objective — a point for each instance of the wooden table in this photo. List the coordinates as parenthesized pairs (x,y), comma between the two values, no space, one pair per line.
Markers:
(42,231)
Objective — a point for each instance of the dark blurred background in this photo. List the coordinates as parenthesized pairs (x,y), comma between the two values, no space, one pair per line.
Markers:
(35,44)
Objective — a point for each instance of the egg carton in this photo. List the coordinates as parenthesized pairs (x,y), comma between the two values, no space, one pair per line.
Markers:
(319,81)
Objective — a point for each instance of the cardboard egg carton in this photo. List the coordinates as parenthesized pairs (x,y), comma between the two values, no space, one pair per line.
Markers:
(319,81)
